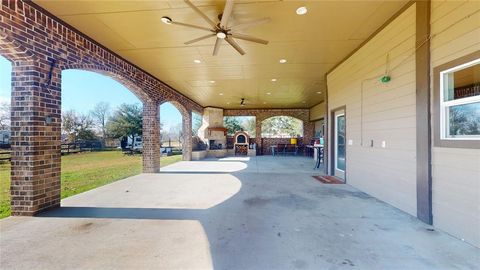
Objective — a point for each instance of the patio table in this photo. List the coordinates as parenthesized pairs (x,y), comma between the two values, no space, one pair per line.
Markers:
(318,149)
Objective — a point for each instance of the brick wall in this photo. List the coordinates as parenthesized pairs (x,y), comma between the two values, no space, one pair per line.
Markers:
(40,46)
(263,146)
(268,142)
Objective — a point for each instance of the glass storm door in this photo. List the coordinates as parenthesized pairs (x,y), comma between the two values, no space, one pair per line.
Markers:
(340,146)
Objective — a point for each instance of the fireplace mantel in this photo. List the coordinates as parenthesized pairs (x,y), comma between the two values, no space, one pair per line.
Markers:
(210,129)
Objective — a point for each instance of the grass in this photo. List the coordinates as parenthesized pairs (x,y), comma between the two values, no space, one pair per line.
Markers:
(84,171)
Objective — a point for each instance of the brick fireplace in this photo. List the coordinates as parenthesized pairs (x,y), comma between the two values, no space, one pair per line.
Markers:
(213,133)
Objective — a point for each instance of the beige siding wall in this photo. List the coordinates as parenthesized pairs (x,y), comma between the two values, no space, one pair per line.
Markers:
(456,172)
(387,114)
(317,111)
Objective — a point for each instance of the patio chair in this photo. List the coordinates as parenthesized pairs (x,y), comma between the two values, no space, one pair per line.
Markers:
(281,148)
(291,149)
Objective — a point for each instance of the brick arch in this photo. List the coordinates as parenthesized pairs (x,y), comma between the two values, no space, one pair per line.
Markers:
(179,106)
(295,117)
(41,45)
(13,50)
(186,113)
(114,74)
(262,114)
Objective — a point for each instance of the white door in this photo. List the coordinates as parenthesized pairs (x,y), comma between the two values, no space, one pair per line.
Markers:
(339,144)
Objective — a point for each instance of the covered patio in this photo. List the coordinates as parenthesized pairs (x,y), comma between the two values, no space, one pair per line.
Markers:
(372,83)
(196,214)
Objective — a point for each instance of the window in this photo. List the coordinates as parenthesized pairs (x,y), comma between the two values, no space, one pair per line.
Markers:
(460,102)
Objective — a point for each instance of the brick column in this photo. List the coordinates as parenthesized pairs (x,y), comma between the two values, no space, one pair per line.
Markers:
(35,137)
(258,135)
(308,130)
(187,135)
(151,137)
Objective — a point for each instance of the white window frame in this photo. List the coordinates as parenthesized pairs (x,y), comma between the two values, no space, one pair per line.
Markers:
(445,105)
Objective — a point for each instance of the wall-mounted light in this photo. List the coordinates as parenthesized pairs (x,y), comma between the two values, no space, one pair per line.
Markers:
(385,79)
(48,119)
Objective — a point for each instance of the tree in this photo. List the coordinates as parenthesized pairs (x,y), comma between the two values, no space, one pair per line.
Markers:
(126,121)
(77,126)
(196,123)
(250,126)
(4,116)
(100,114)
(282,126)
(464,120)
(232,124)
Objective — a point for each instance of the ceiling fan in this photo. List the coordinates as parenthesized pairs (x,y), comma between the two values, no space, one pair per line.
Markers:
(221,30)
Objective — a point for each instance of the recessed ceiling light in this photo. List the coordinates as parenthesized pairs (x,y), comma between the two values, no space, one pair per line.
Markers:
(221,94)
(302,10)
(166,20)
(212,81)
(268,93)
(319,92)
(274,80)
(282,61)
(197,61)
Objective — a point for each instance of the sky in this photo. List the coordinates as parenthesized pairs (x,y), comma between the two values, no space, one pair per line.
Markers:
(81,90)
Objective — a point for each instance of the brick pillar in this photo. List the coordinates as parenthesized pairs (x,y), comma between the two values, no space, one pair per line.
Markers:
(187,135)
(35,137)
(151,137)
(308,130)
(258,136)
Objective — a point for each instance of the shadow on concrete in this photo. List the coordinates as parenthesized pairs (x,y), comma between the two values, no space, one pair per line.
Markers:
(122,213)
(281,220)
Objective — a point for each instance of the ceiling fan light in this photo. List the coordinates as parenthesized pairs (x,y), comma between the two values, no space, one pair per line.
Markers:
(302,10)
(274,80)
(221,35)
(282,61)
(166,20)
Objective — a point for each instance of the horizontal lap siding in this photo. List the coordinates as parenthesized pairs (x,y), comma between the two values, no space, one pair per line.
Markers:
(317,112)
(455,172)
(388,114)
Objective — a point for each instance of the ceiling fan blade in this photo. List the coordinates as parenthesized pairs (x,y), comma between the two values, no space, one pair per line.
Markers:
(192,26)
(199,12)
(249,38)
(227,11)
(198,39)
(218,43)
(235,45)
(250,24)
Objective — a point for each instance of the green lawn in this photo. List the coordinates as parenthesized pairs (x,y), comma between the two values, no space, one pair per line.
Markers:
(84,171)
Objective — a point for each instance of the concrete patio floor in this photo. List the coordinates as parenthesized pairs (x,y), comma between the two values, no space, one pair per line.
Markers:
(234,213)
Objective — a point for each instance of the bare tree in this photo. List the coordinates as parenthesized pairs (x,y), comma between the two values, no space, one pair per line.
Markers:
(77,126)
(4,116)
(100,115)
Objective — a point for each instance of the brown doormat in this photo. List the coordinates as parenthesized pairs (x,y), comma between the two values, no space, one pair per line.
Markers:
(328,179)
